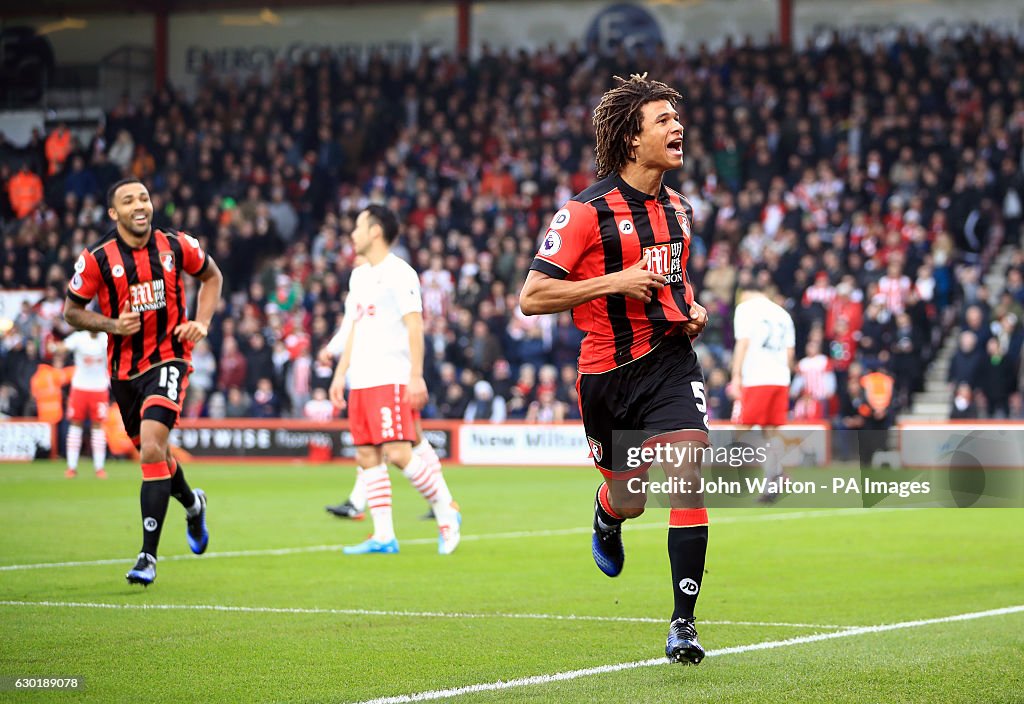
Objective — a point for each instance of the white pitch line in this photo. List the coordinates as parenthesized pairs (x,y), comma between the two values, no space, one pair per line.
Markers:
(513,535)
(380,612)
(735,650)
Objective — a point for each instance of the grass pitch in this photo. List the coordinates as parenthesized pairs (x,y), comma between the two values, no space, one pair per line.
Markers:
(275,613)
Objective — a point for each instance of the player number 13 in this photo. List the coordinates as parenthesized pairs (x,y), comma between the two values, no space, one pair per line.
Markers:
(169,380)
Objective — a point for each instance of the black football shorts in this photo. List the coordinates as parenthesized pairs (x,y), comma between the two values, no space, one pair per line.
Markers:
(661,392)
(156,394)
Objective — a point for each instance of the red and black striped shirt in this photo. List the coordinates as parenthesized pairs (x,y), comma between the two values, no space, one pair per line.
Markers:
(607,228)
(150,279)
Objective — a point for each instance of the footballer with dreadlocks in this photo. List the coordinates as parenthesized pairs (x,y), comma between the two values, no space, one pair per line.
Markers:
(616,256)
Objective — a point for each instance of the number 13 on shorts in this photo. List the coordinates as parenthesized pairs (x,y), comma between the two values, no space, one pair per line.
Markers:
(169,378)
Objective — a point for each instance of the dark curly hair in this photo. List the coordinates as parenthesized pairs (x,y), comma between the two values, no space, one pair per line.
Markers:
(617,119)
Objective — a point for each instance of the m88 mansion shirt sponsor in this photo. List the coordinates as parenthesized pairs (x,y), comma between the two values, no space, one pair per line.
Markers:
(149,279)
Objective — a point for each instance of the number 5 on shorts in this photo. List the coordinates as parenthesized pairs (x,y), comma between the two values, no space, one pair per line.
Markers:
(698,396)
(700,400)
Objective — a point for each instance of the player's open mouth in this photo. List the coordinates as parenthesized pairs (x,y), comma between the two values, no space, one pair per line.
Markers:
(140,219)
(675,147)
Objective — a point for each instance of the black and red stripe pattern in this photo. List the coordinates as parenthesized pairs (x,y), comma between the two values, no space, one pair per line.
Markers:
(605,229)
(150,280)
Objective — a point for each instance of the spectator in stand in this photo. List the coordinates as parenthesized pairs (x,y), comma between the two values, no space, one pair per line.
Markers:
(80,180)
(894,287)
(195,403)
(974,322)
(485,406)
(237,404)
(25,191)
(878,413)
(546,409)
(216,406)
(964,407)
(319,408)
(965,367)
(259,359)
(233,367)
(906,355)
(997,379)
(566,338)
(502,378)
(59,145)
(122,150)
(1016,406)
(718,399)
(876,333)
(483,350)
(265,402)
(815,383)
(845,306)
(204,367)
(849,420)
(47,385)
(143,164)
(454,403)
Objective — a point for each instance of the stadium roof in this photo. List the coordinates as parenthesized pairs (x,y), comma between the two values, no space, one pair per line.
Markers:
(97,7)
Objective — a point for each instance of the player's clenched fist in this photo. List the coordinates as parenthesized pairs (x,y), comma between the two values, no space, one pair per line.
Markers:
(325,357)
(639,282)
(337,392)
(191,331)
(417,392)
(698,320)
(128,321)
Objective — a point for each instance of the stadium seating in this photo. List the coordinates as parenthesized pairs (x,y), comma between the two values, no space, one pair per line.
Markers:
(871,186)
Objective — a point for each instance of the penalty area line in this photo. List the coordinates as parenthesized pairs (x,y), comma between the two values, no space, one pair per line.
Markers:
(735,650)
(382,612)
(512,535)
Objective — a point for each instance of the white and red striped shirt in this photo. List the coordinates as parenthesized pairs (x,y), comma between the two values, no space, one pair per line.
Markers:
(772,216)
(438,289)
(893,291)
(816,374)
(320,410)
(820,293)
(300,374)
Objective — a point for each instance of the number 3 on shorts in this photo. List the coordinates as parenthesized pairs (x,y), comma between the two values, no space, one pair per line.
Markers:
(169,380)
(387,424)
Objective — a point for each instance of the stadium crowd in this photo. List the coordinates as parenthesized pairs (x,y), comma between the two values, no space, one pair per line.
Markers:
(869,187)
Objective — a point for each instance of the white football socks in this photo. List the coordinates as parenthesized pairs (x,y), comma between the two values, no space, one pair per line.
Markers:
(358,495)
(74,445)
(99,447)
(378,498)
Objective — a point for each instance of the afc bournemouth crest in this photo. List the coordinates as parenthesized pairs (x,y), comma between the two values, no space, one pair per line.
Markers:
(596,448)
(684,224)
(167,261)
